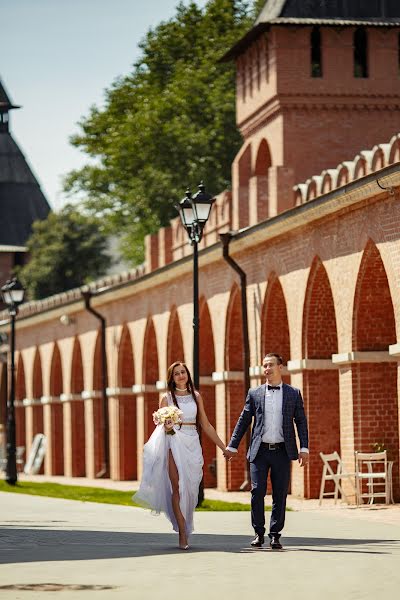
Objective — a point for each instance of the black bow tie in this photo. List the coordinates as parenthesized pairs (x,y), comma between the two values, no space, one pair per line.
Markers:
(274,387)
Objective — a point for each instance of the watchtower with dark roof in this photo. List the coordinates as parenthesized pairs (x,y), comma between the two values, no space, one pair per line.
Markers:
(316,81)
(21,200)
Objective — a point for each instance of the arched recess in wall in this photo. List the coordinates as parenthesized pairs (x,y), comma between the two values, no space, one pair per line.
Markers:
(207,367)
(374,384)
(54,417)
(20,395)
(34,412)
(174,339)
(263,163)
(234,387)
(150,376)
(320,383)
(244,167)
(75,412)
(274,322)
(95,414)
(125,418)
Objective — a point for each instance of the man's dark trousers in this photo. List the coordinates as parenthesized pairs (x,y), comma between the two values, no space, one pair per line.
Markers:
(277,463)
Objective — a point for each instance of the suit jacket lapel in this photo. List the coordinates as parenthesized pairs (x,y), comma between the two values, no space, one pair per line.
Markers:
(261,396)
(284,397)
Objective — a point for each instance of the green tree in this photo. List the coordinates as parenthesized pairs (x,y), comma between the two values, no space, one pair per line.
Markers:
(167,125)
(66,250)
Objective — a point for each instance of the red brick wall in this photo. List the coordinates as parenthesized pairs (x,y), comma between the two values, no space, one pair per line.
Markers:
(375,409)
(235,390)
(321,403)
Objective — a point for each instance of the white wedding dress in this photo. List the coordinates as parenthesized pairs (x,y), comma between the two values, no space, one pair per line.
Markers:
(155,489)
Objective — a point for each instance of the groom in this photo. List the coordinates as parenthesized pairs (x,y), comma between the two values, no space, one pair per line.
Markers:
(275,408)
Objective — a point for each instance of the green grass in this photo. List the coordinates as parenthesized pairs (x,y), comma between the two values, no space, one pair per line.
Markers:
(101,495)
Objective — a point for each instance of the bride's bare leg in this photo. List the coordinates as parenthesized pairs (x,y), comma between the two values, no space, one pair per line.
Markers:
(174,478)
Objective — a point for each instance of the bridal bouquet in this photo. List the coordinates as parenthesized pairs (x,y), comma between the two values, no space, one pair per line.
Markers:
(168,414)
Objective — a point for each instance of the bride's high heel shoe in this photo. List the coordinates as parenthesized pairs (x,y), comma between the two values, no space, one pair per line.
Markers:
(184,547)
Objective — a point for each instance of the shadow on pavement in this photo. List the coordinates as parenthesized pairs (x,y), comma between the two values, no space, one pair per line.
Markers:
(19,545)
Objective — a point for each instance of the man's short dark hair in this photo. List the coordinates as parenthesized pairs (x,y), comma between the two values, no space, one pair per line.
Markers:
(278,357)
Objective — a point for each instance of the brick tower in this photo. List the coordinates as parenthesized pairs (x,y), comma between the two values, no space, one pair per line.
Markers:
(316,81)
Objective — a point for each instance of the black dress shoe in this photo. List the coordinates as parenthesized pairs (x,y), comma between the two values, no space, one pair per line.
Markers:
(258,541)
(275,543)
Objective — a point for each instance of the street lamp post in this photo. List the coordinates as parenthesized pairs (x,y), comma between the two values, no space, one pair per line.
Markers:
(13,295)
(194,212)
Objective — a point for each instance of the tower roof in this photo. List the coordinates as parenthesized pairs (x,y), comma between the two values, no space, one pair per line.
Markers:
(21,200)
(337,13)
(5,102)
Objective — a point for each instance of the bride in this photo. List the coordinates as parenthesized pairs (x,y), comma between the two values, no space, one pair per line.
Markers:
(173,464)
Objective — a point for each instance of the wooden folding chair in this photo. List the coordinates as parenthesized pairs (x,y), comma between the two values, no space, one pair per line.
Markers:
(372,469)
(334,473)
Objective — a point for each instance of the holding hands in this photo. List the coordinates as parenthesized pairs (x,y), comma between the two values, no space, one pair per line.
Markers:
(228,454)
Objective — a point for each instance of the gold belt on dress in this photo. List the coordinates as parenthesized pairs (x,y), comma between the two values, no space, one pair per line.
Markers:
(188,423)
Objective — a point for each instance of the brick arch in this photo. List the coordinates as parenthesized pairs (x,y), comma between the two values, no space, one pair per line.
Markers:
(373,316)
(150,376)
(53,417)
(206,368)
(327,183)
(263,159)
(20,395)
(20,387)
(74,414)
(97,362)
(34,413)
(394,155)
(76,368)
(126,369)
(360,168)
(174,339)
(95,410)
(378,160)
(374,385)
(244,167)
(319,336)
(207,348)
(56,378)
(342,177)
(262,165)
(124,411)
(37,381)
(235,391)
(320,385)
(274,321)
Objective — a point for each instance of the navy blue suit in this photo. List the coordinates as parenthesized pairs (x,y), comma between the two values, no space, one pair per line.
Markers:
(262,460)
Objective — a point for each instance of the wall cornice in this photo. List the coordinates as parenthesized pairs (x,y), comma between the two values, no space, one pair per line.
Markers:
(332,102)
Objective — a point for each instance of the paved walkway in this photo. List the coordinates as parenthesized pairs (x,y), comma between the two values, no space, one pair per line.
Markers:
(79,551)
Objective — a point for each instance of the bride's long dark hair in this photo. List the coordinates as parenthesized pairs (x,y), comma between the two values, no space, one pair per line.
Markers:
(172,385)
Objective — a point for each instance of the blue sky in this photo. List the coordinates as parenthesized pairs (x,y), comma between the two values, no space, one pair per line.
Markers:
(57,57)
